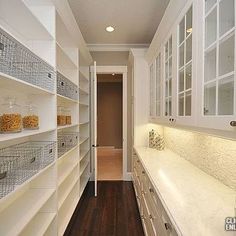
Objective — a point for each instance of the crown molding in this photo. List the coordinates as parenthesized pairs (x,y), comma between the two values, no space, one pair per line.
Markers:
(114,47)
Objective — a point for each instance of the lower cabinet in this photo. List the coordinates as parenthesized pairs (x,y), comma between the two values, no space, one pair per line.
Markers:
(154,217)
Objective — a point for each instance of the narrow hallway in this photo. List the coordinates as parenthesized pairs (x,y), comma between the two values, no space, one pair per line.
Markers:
(113,213)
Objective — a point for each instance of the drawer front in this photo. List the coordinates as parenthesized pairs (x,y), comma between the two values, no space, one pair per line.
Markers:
(168,225)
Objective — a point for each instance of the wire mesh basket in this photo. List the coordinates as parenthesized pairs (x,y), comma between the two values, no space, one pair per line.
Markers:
(66,88)
(66,141)
(20,162)
(18,61)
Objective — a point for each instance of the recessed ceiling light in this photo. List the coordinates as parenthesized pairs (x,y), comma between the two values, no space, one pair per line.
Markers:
(113,74)
(110,29)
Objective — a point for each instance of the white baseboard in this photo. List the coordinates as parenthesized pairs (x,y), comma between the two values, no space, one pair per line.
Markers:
(127,176)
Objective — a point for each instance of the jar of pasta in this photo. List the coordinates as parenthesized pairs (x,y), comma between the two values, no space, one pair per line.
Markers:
(61,117)
(10,119)
(31,117)
(68,116)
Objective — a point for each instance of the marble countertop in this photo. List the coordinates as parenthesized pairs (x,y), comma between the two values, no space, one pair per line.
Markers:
(196,203)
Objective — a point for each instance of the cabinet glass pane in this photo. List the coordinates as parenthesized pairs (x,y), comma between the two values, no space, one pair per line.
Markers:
(170,107)
(170,46)
(166,70)
(166,89)
(166,107)
(211,28)
(189,22)
(226,56)
(170,87)
(210,99)
(209,4)
(188,77)
(181,31)
(188,98)
(181,104)
(226,18)
(210,65)
(226,96)
(166,51)
(170,67)
(181,81)
(189,49)
(181,56)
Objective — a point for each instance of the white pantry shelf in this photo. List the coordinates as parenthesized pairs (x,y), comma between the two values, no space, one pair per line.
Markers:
(64,60)
(83,91)
(26,24)
(64,170)
(39,224)
(83,104)
(84,123)
(9,82)
(24,133)
(13,221)
(82,140)
(84,153)
(64,99)
(83,77)
(66,153)
(66,126)
(83,167)
(83,184)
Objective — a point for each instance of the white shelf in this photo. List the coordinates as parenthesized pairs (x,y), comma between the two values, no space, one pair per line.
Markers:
(66,191)
(84,123)
(83,104)
(83,139)
(26,24)
(64,60)
(84,154)
(39,225)
(64,170)
(24,133)
(66,153)
(83,185)
(66,126)
(65,99)
(13,221)
(7,81)
(83,76)
(83,167)
(83,91)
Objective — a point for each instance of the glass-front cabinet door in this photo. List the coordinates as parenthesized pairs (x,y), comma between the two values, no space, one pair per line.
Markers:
(152,103)
(218,86)
(168,78)
(158,85)
(184,86)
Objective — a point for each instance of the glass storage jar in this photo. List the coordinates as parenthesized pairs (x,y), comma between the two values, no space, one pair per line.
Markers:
(61,117)
(68,116)
(11,119)
(31,117)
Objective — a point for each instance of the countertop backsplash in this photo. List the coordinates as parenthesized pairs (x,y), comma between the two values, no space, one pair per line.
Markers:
(215,156)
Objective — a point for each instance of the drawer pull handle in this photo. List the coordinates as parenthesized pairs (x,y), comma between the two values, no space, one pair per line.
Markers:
(150,216)
(143,172)
(168,226)
(151,190)
(138,161)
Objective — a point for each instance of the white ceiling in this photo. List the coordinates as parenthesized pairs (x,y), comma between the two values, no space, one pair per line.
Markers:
(135,21)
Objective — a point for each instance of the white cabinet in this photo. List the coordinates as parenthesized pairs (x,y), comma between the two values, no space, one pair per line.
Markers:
(198,66)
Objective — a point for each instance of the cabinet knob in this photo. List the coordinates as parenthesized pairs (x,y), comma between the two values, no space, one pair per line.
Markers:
(150,216)
(233,123)
(143,172)
(151,190)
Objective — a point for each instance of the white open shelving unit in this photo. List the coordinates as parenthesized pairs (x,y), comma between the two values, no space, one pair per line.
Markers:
(44,204)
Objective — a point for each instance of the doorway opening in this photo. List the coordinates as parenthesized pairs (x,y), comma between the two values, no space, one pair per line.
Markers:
(110,126)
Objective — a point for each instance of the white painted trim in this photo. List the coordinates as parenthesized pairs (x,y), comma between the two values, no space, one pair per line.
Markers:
(127,176)
(120,70)
(114,47)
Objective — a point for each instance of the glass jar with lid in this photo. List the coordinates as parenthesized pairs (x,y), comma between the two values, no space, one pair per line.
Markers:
(11,119)
(31,117)
(61,117)
(68,116)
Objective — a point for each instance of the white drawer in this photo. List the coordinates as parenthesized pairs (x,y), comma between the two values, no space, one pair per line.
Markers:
(168,225)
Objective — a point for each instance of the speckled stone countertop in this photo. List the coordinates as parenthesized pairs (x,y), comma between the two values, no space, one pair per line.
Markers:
(196,202)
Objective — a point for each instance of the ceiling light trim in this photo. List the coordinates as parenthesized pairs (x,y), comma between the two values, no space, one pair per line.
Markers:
(114,47)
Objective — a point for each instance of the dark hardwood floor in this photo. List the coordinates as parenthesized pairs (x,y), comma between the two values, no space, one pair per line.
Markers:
(113,213)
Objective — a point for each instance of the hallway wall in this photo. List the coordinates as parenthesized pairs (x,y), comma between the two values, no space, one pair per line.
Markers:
(110,114)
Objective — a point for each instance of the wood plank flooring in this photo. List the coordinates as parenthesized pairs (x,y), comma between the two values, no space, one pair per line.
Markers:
(109,164)
(113,213)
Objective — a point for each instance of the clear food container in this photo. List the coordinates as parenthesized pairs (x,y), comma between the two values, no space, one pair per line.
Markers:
(68,116)
(61,117)
(11,119)
(31,117)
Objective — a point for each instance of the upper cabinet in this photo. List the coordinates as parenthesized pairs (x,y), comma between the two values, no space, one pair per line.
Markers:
(198,81)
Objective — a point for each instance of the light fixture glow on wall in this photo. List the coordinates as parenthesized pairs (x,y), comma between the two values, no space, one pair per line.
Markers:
(113,74)
(110,29)
(189,31)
